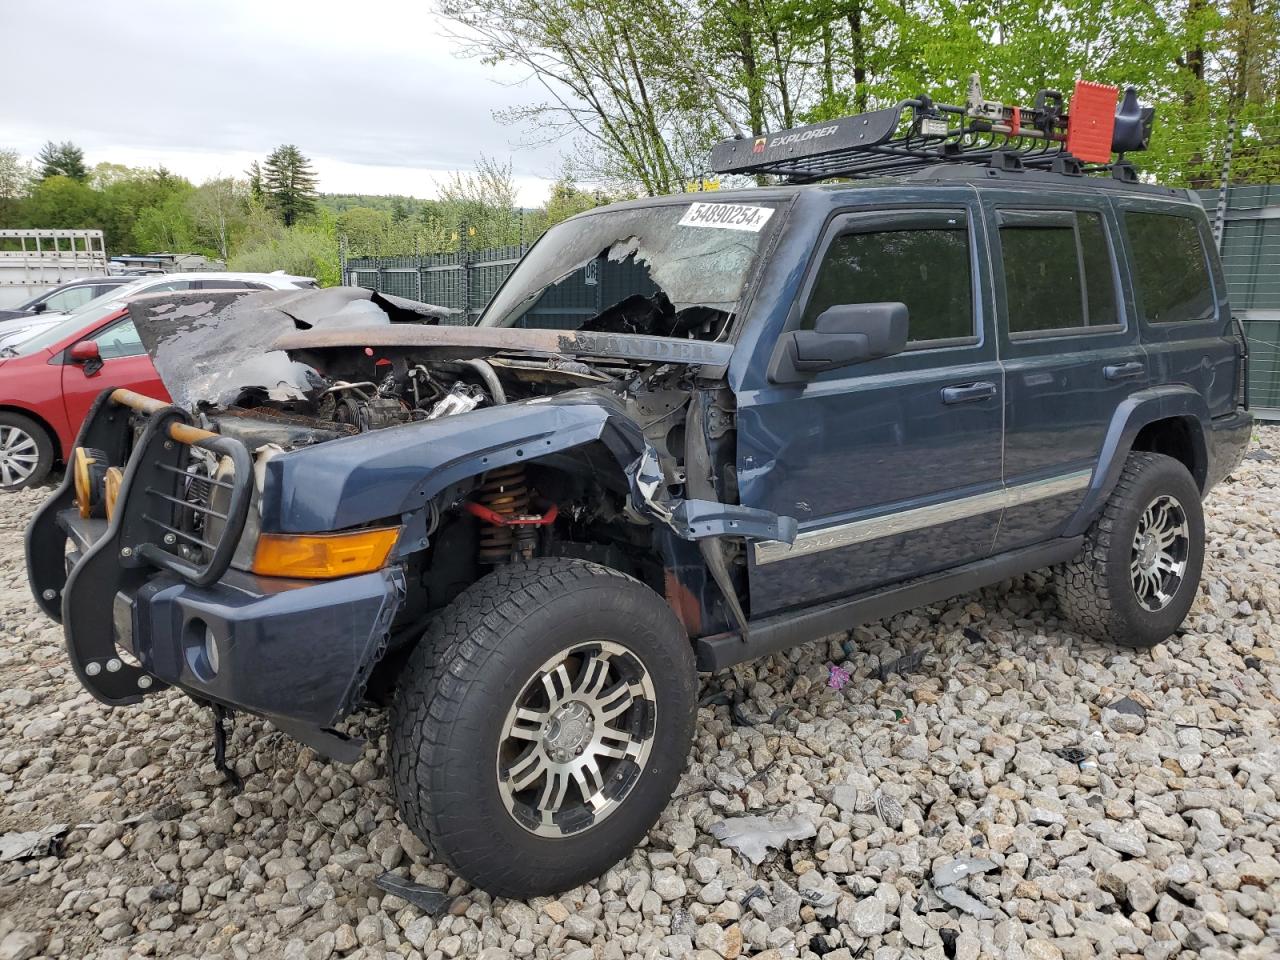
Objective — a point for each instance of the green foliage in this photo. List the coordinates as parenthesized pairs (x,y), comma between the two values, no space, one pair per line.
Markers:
(644,88)
(309,250)
(288,183)
(61,203)
(62,160)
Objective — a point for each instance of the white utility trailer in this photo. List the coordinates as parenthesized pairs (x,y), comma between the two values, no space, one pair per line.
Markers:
(32,261)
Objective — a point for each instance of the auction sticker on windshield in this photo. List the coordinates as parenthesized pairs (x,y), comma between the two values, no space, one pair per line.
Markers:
(726,216)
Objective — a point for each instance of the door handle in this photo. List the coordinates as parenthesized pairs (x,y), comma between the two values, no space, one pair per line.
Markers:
(1124,371)
(967,392)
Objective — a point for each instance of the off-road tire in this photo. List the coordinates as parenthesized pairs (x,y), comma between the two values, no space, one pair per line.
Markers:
(43,446)
(1096,589)
(454,693)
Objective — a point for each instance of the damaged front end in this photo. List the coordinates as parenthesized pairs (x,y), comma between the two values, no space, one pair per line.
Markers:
(335,468)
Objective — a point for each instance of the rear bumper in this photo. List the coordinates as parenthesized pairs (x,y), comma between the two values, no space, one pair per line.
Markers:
(1227,442)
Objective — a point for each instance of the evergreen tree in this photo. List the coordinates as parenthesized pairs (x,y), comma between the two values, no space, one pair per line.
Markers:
(254,173)
(289,183)
(62,160)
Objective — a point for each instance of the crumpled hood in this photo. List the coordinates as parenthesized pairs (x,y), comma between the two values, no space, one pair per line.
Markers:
(213,344)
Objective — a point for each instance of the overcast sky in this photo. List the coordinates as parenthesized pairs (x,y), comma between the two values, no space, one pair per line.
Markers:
(372,91)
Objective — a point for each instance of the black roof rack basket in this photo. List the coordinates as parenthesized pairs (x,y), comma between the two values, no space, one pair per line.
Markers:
(918,133)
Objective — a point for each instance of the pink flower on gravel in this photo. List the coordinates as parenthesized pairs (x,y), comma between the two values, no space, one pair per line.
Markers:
(839,677)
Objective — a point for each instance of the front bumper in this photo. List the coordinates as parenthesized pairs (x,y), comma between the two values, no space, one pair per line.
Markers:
(297,651)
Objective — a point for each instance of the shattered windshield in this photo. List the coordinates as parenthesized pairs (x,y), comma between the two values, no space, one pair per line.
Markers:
(676,270)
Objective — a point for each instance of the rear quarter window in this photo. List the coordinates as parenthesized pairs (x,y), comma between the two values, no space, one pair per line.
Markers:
(1171,267)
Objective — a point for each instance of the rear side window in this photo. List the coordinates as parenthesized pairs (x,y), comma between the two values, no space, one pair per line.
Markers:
(1171,269)
(1057,272)
(925,265)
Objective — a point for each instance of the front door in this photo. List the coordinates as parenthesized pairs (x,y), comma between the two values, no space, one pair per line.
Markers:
(891,466)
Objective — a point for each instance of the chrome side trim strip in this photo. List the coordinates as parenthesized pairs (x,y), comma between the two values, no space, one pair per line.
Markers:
(919,518)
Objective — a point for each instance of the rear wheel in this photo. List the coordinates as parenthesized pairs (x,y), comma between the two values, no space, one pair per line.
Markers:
(26,452)
(1136,576)
(542,724)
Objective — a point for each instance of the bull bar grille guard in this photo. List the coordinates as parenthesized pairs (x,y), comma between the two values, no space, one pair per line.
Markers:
(153,504)
(158,470)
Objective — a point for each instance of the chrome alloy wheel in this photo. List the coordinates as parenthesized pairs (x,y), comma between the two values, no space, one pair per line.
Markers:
(19,456)
(1161,546)
(576,739)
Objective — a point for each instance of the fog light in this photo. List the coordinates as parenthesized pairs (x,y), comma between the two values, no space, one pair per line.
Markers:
(211,649)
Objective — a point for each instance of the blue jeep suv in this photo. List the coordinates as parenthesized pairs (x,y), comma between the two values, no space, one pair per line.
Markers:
(687,432)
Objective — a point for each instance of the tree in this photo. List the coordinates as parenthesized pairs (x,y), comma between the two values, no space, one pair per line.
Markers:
(15,183)
(62,203)
(62,160)
(217,208)
(481,203)
(289,183)
(254,173)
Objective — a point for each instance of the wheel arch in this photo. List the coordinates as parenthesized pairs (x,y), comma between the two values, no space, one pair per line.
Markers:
(58,453)
(1171,419)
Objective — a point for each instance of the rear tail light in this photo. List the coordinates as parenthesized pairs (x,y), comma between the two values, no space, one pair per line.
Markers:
(1242,366)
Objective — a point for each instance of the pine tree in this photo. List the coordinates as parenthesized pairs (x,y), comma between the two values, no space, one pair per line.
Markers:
(62,160)
(289,183)
(254,173)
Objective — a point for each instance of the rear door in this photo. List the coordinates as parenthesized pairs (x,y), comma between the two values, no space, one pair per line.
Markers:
(892,466)
(1069,349)
(125,363)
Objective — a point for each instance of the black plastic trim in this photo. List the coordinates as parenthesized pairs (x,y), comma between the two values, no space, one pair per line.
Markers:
(813,623)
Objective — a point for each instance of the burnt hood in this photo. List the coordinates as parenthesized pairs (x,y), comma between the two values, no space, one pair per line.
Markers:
(449,342)
(214,344)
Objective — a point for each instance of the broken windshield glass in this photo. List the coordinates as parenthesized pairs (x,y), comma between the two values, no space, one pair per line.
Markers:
(675,270)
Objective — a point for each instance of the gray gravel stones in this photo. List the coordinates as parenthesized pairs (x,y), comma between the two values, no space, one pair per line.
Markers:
(1100,830)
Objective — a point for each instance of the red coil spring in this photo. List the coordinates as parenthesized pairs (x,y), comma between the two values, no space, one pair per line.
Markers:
(505,491)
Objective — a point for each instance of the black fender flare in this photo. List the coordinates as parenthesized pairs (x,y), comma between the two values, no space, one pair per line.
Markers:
(1166,402)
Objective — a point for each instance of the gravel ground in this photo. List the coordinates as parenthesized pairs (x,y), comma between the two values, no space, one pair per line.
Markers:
(990,802)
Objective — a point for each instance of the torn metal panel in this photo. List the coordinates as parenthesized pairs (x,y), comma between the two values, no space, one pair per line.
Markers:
(212,345)
(710,518)
(458,343)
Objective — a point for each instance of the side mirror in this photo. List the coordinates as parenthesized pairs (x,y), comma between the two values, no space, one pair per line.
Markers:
(841,336)
(40,307)
(86,352)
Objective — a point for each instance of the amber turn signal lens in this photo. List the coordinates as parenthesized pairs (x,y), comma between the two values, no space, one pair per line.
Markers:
(87,469)
(111,489)
(321,556)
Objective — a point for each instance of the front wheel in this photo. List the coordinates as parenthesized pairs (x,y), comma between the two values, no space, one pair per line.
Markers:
(26,452)
(1136,576)
(542,724)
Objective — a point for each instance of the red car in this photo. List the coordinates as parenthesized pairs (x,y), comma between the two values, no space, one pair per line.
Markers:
(48,383)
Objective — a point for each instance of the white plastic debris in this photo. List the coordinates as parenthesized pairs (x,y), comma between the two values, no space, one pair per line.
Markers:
(957,870)
(31,844)
(754,836)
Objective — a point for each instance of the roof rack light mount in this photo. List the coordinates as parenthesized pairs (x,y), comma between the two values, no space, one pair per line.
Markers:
(918,132)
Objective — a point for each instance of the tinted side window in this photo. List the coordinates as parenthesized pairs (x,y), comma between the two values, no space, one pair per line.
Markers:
(220,284)
(927,267)
(68,299)
(1057,271)
(1172,273)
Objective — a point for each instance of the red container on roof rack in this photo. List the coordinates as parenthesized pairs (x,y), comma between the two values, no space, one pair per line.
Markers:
(1091,120)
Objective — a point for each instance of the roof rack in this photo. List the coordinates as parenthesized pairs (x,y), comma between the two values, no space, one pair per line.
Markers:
(918,133)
